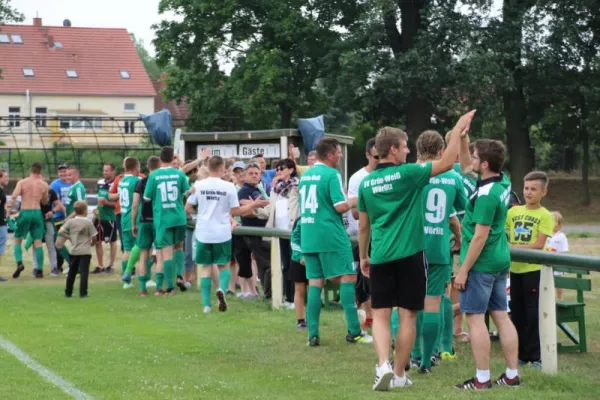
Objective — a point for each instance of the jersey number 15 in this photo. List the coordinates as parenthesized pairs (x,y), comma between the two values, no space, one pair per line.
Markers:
(168,191)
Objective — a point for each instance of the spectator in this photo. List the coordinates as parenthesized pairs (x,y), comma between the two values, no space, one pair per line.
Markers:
(559,243)
(104,220)
(61,186)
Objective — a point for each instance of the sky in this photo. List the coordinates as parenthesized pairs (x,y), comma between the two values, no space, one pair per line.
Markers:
(137,16)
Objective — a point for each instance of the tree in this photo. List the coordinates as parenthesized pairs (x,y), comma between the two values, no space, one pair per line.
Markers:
(8,14)
(152,68)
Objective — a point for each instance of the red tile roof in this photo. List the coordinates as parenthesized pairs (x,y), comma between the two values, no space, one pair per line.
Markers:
(179,112)
(96,54)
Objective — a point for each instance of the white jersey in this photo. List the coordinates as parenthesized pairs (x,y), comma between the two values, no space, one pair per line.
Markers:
(557,242)
(355,181)
(214,198)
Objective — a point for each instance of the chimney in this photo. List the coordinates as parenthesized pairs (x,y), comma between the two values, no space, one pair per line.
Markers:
(37,22)
(50,41)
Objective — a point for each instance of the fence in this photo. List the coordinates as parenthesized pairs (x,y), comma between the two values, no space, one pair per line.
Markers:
(547,293)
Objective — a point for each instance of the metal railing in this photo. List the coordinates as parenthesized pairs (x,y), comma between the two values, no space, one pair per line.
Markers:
(547,259)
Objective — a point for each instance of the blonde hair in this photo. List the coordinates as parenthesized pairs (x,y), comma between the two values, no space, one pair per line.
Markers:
(80,208)
(558,218)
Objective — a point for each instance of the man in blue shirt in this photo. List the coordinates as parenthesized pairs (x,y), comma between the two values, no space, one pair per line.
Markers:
(61,186)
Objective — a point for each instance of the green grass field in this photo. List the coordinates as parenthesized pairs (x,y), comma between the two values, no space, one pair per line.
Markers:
(117,345)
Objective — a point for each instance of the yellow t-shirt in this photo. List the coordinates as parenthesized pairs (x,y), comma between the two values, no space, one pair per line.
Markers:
(301,168)
(523,227)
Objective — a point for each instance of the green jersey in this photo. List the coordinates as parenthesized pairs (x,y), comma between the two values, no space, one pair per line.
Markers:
(105,213)
(166,188)
(76,193)
(295,242)
(392,197)
(443,197)
(488,206)
(323,228)
(469,181)
(126,190)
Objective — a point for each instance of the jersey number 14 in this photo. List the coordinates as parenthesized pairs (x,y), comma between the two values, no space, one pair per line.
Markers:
(309,202)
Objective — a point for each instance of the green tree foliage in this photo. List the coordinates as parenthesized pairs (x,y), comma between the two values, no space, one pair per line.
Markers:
(152,68)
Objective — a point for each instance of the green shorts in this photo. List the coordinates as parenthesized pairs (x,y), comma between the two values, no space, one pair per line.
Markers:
(128,240)
(166,237)
(329,264)
(145,237)
(30,222)
(437,278)
(208,254)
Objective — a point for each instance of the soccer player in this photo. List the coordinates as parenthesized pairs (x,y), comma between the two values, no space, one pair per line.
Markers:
(105,219)
(390,203)
(33,191)
(529,226)
(76,191)
(485,261)
(216,200)
(325,245)
(166,189)
(126,189)
(441,198)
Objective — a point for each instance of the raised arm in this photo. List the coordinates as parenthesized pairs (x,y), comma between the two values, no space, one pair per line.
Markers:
(451,153)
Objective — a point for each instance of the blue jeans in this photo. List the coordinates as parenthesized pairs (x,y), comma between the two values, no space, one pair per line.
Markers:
(189,250)
(3,238)
(484,291)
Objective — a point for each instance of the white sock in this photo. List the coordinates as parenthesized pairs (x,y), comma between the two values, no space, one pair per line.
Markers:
(483,375)
(511,373)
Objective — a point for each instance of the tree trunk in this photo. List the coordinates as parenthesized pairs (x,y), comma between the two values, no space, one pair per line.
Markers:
(286,115)
(585,166)
(417,120)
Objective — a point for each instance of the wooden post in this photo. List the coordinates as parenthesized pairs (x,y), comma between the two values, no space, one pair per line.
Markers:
(548,322)
(276,276)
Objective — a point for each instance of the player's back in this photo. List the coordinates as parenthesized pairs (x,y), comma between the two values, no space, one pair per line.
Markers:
(126,190)
(166,188)
(32,192)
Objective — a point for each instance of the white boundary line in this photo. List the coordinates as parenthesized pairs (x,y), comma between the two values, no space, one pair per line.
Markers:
(44,372)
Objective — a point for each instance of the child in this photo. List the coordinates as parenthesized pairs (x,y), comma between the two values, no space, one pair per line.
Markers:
(559,243)
(528,228)
(82,234)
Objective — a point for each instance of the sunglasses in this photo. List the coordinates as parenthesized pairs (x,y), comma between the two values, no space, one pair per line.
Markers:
(281,168)
(375,157)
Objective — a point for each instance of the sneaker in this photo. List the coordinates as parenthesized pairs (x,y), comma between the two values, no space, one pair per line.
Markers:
(181,284)
(221,299)
(170,292)
(126,278)
(17,273)
(55,272)
(424,370)
(143,293)
(406,367)
(188,284)
(301,325)
(504,381)
(522,363)
(446,356)
(383,377)
(289,306)
(415,362)
(474,384)
(37,273)
(400,382)
(207,309)
(128,285)
(241,295)
(435,360)
(159,292)
(83,296)
(108,270)
(362,337)
(314,341)
(230,293)
(151,284)
(536,365)
(97,270)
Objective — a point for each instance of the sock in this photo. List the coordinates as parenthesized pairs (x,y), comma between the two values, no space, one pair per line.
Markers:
(224,278)
(134,257)
(142,280)
(149,265)
(159,280)
(313,310)
(64,253)
(416,351)
(39,257)
(123,267)
(483,375)
(205,284)
(300,320)
(431,326)
(28,242)
(347,296)
(394,324)
(18,253)
(179,260)
(169,274)
(447,336)
(511,373)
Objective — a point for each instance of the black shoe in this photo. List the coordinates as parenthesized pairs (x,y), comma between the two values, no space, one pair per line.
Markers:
(83,296)
(108,270)
(96,270)
(301,325)
(37,273)
(504,381)
(68,296)
(424,370)
(55,272)
(435,360)
(415,362)
(222,301)
(230,293)
(314,341)
(169,292)
(181,284)
(2,279)
(20,268)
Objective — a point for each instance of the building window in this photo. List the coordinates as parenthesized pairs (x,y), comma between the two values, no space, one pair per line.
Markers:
(129,107)
(129,126)
(17,39)
(14,115)
(125,74)
(79,123)
(71,73)
(28,72)
(58,45)
(4,38)
(40,116)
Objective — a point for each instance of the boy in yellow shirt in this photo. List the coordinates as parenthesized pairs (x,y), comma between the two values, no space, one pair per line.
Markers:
(528,227)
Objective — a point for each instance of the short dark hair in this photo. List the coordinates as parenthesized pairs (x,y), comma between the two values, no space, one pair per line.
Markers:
(259,155)
(36,168)
(492,152)
(2,172)
(167,154)
(429,144)
(288,163)
(131,163)
(252,165)
(326,146)
(153,163)
(111,165)
(215,162)
(370,144)
(388,137)
(537,176)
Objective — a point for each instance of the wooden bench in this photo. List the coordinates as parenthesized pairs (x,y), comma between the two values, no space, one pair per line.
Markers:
(572,311)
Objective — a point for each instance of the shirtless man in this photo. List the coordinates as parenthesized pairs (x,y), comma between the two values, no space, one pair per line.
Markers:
(33,192)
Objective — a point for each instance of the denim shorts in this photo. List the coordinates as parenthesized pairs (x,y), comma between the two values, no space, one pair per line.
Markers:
(484,291)
(3,238)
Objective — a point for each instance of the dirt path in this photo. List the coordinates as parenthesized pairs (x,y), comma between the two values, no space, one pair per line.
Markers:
(593,228)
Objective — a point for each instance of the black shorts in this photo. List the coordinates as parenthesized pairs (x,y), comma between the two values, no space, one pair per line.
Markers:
(243,256)
(107,231)
(363,285)
(400,283)
(298,272)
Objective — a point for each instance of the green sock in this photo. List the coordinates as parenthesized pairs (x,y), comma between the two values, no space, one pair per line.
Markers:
(348,300)
(123,267)
(205,284)
(313,310)
(416,351)
(447,336)
(224,278)
(159,280)
(169,274)
(149,265)
(394,324)
(142,280)
(431,326)
(28,242)
(134,257)
(179,259)
(18,253)
(39,257)
(64,253)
